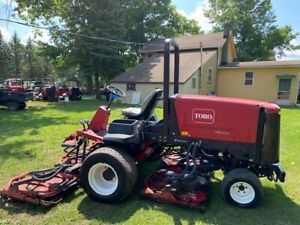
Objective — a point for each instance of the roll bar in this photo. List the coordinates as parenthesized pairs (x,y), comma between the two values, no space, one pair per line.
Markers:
(168,44)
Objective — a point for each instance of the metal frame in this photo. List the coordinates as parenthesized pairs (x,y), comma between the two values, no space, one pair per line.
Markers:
(168,44)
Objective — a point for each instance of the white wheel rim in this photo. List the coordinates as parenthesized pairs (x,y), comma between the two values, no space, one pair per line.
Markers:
(101,183)
(242,192)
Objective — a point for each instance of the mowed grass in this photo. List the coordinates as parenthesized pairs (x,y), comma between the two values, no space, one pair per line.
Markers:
(30,140)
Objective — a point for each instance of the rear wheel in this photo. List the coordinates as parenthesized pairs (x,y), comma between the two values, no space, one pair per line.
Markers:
(108,175)
(242,188)
(13,106)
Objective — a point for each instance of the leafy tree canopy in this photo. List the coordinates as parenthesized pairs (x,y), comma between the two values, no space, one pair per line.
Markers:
(130,20)
(254,27)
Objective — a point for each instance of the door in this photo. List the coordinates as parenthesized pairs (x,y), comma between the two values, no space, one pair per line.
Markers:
(284,91)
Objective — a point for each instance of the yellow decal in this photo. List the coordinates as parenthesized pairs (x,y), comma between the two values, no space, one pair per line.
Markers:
(184,133)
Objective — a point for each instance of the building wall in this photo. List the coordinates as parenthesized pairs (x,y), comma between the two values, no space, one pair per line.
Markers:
(230,83)
(147,88)
(144,88)
(202,87)
(206,87)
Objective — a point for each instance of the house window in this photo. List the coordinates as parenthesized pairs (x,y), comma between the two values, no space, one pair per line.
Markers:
(193,82)
(209,78)
(248,79)
(284,89)
(131,87)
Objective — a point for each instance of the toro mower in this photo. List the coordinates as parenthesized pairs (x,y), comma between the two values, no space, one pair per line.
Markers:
(197,136)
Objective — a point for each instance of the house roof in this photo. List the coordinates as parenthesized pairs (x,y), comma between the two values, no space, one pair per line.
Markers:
(262,64)
(151,70)
(210,40)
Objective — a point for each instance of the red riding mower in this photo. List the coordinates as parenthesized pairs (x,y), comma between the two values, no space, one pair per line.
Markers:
(197,136)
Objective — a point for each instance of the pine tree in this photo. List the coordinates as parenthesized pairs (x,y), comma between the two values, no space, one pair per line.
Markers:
(16,50)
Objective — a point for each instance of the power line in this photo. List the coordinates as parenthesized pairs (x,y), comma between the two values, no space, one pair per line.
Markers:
(80,34)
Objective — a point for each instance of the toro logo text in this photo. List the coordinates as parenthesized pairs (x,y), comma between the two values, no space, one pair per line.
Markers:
(206,116)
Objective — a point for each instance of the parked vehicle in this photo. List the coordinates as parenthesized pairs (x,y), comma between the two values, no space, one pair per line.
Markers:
(14,100)
(14,84)
(74,93)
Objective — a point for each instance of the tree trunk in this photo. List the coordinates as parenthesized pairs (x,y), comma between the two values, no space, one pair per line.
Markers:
(89,83)
(97,85)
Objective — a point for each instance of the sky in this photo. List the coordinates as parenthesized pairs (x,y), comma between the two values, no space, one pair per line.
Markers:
(285,10)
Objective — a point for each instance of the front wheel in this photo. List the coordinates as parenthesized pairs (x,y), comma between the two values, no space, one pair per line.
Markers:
(242,188)
(108,175)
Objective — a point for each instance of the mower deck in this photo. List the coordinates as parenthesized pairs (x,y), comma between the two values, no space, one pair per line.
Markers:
(47,191)
(191,195)
(47,187)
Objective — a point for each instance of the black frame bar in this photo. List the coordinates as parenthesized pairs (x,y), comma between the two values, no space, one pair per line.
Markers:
(168,44)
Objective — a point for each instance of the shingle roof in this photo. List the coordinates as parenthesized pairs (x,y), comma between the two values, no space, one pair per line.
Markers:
(210,40)
(261,64)
(151,70)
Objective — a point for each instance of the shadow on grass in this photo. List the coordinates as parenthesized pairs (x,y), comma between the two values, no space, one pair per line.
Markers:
(276,208)
(15,124)
(36,115)
(86,105)
(285,212)
(7,151)
(16,207)
(34,118)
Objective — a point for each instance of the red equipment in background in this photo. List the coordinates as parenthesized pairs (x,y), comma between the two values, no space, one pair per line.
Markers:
(14,84)
(60,92)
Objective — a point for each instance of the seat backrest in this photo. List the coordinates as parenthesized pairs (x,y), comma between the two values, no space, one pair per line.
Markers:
(149,105)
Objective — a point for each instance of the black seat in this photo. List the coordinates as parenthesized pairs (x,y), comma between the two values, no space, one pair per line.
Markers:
(147,109)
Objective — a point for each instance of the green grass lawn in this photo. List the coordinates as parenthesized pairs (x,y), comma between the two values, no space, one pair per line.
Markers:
(30,140)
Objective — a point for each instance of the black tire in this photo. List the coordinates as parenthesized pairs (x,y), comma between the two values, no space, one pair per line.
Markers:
(13,106)
(242,188)
(118,166)
(22,105)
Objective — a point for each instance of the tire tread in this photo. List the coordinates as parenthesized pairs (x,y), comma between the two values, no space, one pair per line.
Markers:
(127,163)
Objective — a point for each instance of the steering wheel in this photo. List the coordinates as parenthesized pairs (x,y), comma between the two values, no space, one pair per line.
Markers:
(115,91)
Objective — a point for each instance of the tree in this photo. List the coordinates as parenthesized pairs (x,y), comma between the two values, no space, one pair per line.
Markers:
(103,58)
(17,53)
(151,19)
(30,60)
(5,67)
(130,20)
(254,27)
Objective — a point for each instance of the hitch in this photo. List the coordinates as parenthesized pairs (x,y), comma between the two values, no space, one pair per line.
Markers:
(279,172)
